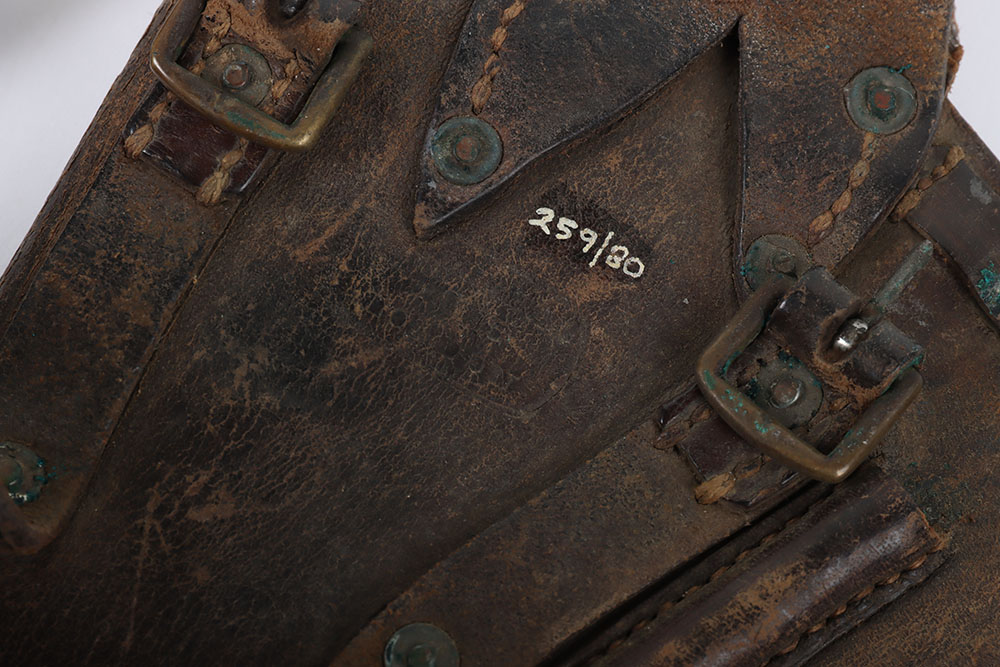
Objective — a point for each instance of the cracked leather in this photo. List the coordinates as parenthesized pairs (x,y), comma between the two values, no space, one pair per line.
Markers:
(336,410)
(865,536)
(543,60)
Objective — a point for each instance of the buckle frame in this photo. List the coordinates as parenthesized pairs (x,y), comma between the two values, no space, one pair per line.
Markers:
(233,114)
(753,423)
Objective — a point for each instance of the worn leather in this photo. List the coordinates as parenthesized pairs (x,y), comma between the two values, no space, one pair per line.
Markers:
(530,68)
(865,535)
(337,411)
(524,574)
(943,451)
(960,211)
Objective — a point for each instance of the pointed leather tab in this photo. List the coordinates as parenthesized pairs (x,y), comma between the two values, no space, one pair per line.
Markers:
(544,73)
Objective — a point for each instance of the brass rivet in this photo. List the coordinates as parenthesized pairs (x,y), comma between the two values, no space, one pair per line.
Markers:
(420,645)
(236,76)
(881,100)
(786,392)
(466,150)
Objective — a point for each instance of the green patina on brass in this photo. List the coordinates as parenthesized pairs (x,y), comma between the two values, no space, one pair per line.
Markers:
(989,288)
(23,472)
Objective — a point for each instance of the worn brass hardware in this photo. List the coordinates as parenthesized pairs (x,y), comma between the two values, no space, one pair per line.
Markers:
(751,422)
(228,111)
(881,100)
(420,645)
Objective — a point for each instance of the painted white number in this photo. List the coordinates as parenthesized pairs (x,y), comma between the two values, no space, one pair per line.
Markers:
(548,215)
(565,227)
(637,270)
(617,257)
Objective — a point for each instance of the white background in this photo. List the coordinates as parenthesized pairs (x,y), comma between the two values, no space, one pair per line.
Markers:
(58,59)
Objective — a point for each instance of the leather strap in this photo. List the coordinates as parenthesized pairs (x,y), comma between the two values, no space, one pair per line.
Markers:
(572,556)
(955,206)
(292,55)
(108,269)
(799,581)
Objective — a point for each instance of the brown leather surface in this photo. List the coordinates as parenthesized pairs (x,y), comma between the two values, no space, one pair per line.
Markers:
(317,435)
(531,68)
(339,407)
(523,578)
(866,534)
(961,213)
(944,451)
(96,283)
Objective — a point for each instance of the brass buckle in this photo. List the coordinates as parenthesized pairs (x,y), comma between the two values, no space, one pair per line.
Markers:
(754,424)
(235,115)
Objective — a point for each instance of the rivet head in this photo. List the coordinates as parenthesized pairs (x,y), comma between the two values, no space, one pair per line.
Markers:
(783,262)
(466,150)
(771,255)
(420,645)
(786,392)
(881,100)
(236,75)
(241,71)
(22,472)
(421,656)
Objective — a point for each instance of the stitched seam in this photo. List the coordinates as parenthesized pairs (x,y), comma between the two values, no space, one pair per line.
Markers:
(856,600)
(823,224)
(666,606)
(139,140)
(483,88)
(912,198)
(210,192)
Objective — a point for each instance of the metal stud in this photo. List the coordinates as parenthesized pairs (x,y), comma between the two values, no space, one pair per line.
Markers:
(466,150)
(420,645)
(240,70)
(236,76)
(788,391)
(773,255)
(881,100)
(22,472)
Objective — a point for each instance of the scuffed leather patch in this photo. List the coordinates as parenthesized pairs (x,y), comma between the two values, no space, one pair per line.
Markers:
(514,352)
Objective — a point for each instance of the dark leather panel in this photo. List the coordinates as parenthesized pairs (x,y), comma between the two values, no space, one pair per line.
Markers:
(547,72)
(960,212)
(865,535)
(629,514)
(313,436)
(78,339)
(340,407)
(943,452)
